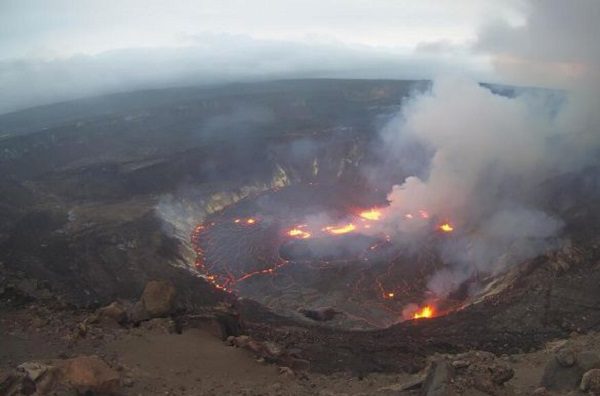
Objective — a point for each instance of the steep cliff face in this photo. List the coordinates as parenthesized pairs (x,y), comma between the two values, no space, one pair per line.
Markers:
(331,159)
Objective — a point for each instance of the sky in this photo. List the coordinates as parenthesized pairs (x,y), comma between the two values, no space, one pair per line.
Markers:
(53,50)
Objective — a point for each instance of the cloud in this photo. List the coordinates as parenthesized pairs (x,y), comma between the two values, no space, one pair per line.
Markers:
(211,59)
(555,46)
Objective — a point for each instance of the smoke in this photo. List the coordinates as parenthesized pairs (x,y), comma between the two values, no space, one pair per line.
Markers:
(484,157)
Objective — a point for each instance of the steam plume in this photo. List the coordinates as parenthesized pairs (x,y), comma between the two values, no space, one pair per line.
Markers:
(488,155)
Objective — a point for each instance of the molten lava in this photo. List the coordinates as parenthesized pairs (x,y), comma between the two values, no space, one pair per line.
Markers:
(446,227)
(425,312)
(371,214)
(298,233)
(337,230)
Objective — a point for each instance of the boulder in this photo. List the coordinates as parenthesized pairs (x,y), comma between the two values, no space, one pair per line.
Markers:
(501,373)
(88,374)
(557,377)
(137,313)
(437,381)
(565,371)
(590,382)
(565,357)
(114,311)
(158,298)
(320,314)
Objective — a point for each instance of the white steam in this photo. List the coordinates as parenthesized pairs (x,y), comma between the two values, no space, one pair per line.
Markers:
(489,156)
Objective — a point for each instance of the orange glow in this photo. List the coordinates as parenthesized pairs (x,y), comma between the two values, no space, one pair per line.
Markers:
(425,312)
(340,229)
(298,233)
(236,220)
(446,227)
(250,221)
(424,214)
(390,295)
(371,214)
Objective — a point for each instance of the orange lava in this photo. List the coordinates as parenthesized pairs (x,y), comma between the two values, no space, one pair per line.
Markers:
(337,230)
(298,233)
(425,312)
(446,227)
(371,214)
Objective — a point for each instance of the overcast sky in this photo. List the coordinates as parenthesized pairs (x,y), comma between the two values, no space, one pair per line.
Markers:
(54,50)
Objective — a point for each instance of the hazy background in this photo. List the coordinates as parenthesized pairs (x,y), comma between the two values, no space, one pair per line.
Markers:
(54,50)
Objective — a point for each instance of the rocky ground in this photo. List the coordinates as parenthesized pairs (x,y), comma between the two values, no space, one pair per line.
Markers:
(149,347)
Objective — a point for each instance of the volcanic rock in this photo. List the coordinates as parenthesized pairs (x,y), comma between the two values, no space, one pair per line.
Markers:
(564,372)
(158,298)
(228,320)
(82,374)
(413,384)
(561,378)
(588,360)
(541,391)
(437,381)
(565,357)
(299,364)
(89,373)
(241,341)
(114,311)
(321,314)
(16,384)
(137,313)
(162,325)
(286,371)
(272,349)
(501,373)
(459,364)
(591,382)
(34,370)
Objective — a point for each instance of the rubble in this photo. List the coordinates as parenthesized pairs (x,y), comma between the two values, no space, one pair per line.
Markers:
(474,371)
(82,374)
(564,372)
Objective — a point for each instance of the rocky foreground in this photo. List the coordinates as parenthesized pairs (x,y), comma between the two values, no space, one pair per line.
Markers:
(150,347)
